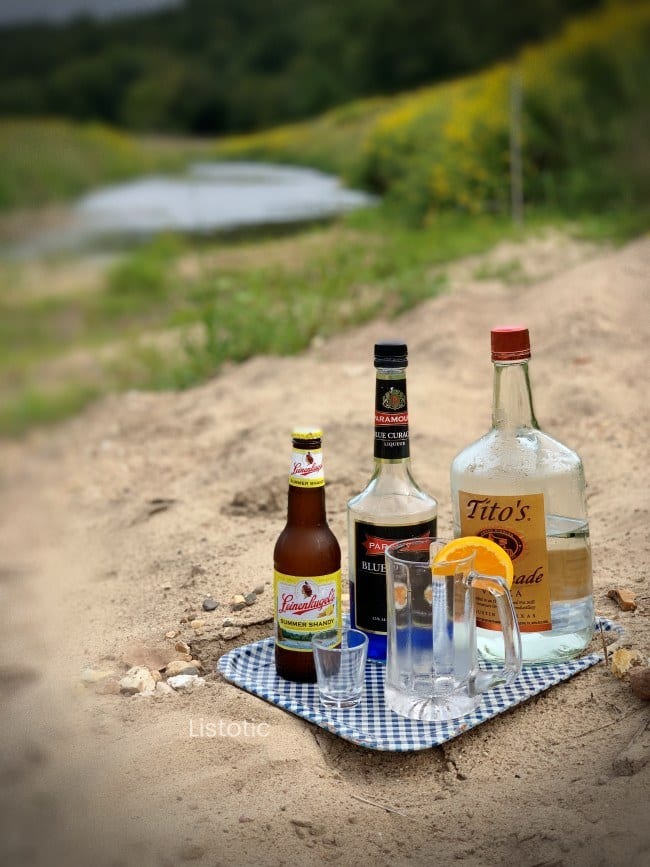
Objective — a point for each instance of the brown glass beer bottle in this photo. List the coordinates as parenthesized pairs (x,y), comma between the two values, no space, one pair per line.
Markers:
(307,563)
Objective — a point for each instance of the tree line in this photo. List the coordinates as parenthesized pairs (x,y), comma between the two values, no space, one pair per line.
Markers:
(216,66)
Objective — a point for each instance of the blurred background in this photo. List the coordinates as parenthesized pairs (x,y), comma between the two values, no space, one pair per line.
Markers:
(187,182)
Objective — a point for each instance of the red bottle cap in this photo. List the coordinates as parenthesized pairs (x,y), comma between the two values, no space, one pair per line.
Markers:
(510,343)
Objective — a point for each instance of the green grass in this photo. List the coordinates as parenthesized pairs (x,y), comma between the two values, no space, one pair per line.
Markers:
(241,297)
(48,160)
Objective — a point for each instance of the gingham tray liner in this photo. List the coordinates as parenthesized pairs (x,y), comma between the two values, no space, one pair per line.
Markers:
(373,725)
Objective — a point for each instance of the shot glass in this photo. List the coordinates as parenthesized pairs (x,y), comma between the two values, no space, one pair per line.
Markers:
(340,660)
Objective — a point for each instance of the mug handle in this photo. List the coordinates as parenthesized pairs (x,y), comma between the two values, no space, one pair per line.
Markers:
(504,675)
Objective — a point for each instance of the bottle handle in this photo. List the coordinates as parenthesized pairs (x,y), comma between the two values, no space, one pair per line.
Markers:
(504,675)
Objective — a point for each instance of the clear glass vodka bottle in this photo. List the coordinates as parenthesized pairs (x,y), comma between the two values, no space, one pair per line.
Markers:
(392,506)
(526,491)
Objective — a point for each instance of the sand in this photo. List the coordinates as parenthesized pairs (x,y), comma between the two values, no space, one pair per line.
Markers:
(93,561)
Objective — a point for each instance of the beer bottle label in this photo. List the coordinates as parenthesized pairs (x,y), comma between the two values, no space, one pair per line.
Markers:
(370,542)
(306,468)
(304,607)
(391,418)
(518,524)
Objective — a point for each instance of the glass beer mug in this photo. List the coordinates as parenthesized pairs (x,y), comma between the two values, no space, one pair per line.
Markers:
(432,670)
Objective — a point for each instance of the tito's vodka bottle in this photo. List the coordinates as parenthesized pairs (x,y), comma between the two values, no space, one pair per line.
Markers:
(521,488)
(391,506)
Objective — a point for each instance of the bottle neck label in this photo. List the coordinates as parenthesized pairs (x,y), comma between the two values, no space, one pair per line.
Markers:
(306,468)
(391,418)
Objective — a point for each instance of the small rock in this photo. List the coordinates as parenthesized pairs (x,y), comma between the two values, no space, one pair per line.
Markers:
(137,679)
(625,599)
(250,598)
(178,666)
(94,675)
(185,682)
(209,604)
(197,624)
(182,647)
(230,632)
(622,660)
(640,682)
(258,589)
(238,602)
(228,621)
(163,689)
(172,633)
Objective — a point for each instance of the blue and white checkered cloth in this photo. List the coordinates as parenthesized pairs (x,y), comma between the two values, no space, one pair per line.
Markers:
(373,725)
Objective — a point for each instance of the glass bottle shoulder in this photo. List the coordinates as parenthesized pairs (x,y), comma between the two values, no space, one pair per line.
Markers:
(524,451)
(393,493)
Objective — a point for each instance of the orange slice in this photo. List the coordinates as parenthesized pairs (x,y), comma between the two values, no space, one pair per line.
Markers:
(401,595)
(490,558)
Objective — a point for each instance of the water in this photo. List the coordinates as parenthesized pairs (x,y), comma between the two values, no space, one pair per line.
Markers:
(209,197)
(572,605)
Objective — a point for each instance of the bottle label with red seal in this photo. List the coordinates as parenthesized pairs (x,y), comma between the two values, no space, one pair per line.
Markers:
(305,607)
(369,589)
(391,419)
(518,524)
(306,468)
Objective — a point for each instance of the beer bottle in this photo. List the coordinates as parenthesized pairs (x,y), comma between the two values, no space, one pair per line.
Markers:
(307,563)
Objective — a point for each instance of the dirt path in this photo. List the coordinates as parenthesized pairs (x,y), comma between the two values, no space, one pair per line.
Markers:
(116,525)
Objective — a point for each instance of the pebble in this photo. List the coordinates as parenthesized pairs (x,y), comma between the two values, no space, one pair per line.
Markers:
(182,647)
(250,598)
(163,689)
(94,675)
(238,602)
(228,621)
(172,633)
(179,666)
(197,624)
(258,589)
(137,679)
(230,632)
(185,682)
(209,604)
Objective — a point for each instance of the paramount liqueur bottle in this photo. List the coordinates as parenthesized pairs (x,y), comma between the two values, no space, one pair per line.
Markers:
(525,490)
(307,564)
(391,506)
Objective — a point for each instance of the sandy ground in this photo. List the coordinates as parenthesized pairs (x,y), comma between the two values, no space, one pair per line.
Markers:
(92,561)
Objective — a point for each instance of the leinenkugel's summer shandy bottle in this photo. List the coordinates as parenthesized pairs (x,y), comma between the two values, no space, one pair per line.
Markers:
(523,489)
(391,507)
(307,563)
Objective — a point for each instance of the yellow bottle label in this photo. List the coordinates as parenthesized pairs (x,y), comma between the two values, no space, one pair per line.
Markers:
(518,524)
(305,607)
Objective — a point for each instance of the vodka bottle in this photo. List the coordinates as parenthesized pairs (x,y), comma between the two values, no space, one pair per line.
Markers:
(526,491)
(391,507)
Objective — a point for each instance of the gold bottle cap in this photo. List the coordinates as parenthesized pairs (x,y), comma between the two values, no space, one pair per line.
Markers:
(307,432)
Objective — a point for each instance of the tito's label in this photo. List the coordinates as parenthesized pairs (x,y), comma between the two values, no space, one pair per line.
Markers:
(306,468)
(391,419)
(304,607)
(518,524)
(370,542)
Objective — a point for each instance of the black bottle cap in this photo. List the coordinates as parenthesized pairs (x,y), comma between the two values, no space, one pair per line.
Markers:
(391,353)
